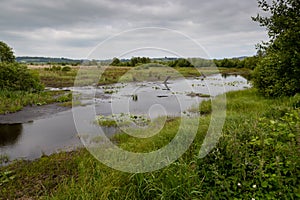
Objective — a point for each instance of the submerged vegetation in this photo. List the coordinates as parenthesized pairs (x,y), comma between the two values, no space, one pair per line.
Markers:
(122,119)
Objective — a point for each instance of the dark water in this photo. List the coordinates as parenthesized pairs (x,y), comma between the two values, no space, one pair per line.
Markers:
(10,133)
(58,132)
(44,136)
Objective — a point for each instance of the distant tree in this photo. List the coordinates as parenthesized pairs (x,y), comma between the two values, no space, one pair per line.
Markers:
(134,61)
(6,53)
(181,62)
(115,62)
(227,63)
(278,73)
(251,62)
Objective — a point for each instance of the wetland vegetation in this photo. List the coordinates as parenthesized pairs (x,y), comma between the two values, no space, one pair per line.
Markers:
(256,157)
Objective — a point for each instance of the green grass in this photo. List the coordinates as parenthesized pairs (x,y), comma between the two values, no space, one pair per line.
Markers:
(193,94)
(112,74)
(13,101)
(256,157)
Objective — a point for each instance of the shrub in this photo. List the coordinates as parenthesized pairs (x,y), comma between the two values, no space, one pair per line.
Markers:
(274,76)
(14,76)
(66,69)
(278,72)
(180,63)
(6,53)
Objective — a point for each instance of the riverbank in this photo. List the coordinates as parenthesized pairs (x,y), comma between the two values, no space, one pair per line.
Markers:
(15,101)
(34,103)
(112,74)
(256,157)
(31,113)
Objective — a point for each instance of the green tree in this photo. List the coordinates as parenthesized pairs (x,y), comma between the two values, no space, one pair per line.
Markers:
(115,62)
(278,73)
(14,76)
(6,53)
(181,62)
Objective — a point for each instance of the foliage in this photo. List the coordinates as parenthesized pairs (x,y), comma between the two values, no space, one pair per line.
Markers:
(248,62)
(46,60)
(66,69)
(58,68)
(14,76)
(42,176)
(278,72)
(134,61)
(6,53)
(13,101)
(180,63)
(257,157)
(274,79)
(115,62)
(200,62)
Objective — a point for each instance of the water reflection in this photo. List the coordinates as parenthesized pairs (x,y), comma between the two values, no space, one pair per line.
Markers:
(58,132)
(9,133)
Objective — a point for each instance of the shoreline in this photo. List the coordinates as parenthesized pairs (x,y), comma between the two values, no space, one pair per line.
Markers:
(31,113)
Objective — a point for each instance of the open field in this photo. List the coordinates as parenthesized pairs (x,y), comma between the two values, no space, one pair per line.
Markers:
(256,157)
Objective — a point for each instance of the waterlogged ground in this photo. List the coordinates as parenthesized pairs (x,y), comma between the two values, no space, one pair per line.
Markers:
(136,102)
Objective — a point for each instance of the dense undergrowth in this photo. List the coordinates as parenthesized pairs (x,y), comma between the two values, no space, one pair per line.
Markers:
(256,157)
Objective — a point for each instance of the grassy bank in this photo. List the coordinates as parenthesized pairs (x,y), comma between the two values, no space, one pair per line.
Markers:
(13,101)
(112,74)
(256,157)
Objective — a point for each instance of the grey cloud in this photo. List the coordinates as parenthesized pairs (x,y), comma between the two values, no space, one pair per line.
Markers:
(82,23)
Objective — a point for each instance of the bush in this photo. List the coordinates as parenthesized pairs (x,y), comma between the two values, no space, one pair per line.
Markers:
(6,53)
(278,73)
(14,76)
(180,63)
(55,68)
(276,76)
(66,69)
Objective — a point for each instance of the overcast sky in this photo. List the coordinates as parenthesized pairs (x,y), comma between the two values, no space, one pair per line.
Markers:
(74,28)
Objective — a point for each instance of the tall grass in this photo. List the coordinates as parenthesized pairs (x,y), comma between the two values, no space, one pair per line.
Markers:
(257,157)
(13,101)
(59,78)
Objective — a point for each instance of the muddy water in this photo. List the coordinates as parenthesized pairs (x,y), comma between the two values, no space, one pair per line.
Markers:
(57,132)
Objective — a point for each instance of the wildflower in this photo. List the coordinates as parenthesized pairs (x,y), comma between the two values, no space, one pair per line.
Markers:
(239,184)
(254,186)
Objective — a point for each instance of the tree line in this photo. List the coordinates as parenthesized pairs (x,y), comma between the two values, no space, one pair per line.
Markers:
(248,62)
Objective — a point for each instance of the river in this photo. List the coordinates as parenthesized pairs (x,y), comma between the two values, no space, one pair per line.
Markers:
(57,132)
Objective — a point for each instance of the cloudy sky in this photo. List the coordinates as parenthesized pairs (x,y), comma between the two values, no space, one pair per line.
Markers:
(79,28)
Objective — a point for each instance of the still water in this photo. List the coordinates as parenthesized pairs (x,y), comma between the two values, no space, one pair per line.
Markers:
(58,132)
